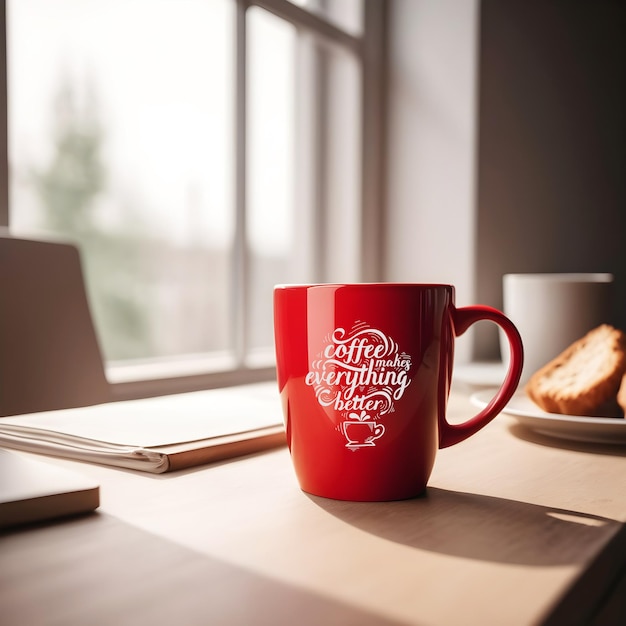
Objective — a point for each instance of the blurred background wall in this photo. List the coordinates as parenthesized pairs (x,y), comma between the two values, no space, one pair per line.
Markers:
(507,145)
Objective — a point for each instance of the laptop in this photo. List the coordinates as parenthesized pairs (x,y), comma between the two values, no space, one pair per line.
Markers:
(36,491)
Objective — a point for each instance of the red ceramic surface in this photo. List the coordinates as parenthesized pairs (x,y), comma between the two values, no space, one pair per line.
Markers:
(364,374)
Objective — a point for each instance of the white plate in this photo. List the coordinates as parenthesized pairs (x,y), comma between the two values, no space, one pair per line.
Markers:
(593,429)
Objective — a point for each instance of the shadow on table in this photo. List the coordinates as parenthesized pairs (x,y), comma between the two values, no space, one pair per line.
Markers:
(98,569)
(480,527)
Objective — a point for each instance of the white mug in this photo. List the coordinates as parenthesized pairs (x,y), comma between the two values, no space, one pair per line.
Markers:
(551,311)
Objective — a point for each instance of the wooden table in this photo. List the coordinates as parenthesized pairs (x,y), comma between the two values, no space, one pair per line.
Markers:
(514,529)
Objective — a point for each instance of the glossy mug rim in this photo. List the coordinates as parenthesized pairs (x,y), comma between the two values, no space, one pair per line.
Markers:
(365,284)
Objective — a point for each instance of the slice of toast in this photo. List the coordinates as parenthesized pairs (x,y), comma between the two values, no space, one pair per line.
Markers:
(585,378)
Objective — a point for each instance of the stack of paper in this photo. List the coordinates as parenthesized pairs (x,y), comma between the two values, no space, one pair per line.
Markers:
(156,434)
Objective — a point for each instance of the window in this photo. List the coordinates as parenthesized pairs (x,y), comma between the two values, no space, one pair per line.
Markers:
(198,152)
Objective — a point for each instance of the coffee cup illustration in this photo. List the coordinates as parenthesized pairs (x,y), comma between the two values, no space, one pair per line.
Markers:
(362,434)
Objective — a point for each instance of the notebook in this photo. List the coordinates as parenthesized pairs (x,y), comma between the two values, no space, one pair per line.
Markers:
(156,434)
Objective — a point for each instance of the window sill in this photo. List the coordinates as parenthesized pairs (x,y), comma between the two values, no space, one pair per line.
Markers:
(141,379)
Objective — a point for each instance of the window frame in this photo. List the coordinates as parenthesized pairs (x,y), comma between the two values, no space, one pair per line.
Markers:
(369,50)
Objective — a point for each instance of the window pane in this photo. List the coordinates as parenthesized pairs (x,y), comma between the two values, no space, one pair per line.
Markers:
(270,162)
(121,125)
(343,166)
(347,14)
(304,177)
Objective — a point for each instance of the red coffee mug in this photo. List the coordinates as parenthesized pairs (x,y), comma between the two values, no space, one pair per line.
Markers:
(364,373)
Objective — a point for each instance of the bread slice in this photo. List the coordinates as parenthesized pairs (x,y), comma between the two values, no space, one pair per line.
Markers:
(585,378)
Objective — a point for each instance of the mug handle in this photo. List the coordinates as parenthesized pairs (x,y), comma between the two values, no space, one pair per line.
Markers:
(462,319)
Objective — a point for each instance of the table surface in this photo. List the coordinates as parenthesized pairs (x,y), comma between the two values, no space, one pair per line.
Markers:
(515,528)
